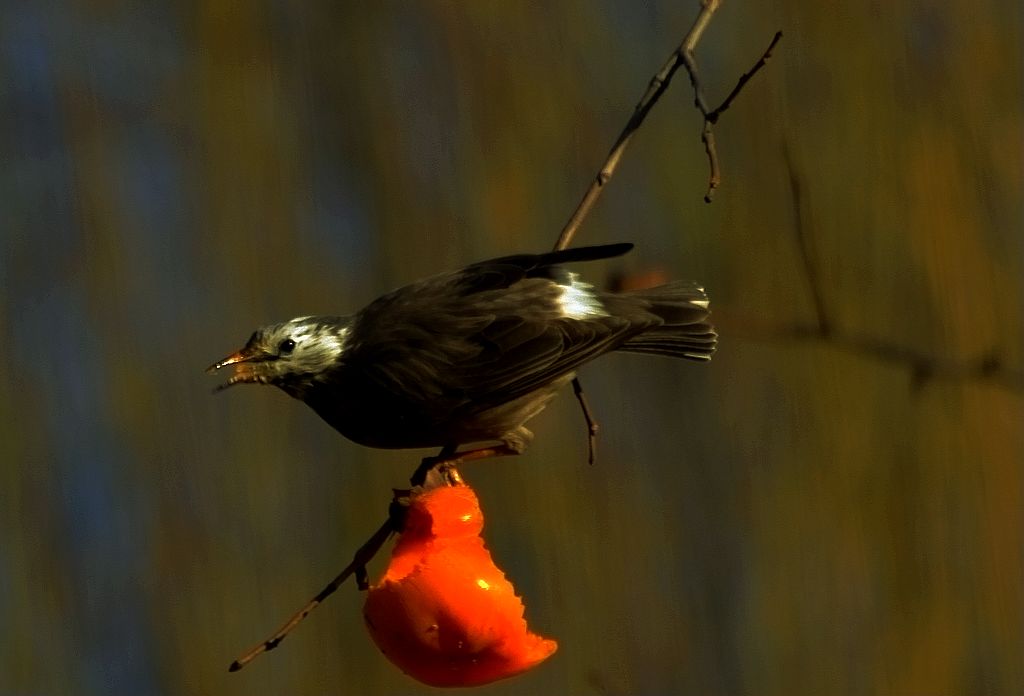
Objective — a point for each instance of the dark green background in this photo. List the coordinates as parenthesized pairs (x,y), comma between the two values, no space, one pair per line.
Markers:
(800,516)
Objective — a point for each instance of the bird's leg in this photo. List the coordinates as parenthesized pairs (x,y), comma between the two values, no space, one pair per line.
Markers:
(502,450)
(441,474)
(592,426)
(442,470)
(429,465)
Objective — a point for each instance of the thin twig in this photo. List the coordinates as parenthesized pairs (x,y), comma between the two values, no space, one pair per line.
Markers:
(657,86)
(744,78)
(659,83)
(922,368)
(803,242)
(688,57)
(445,465)
(711,116)
(707,137)
(357,567)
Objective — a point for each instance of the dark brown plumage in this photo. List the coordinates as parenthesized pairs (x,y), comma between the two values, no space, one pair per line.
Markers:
(469,356)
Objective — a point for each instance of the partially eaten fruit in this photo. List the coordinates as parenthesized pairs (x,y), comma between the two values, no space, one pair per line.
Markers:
(444,613)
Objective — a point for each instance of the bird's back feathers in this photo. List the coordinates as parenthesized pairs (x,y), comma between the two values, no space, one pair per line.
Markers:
(513,336)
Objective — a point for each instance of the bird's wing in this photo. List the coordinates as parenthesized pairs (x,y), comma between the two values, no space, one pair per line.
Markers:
(502,272)
(531,343)
(484,335)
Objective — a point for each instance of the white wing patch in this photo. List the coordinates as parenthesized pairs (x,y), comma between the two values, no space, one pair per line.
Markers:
(578,300)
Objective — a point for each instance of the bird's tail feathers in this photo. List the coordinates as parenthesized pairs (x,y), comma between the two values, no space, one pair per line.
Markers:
(684,332)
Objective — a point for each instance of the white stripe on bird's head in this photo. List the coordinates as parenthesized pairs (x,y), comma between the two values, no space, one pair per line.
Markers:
(305,344)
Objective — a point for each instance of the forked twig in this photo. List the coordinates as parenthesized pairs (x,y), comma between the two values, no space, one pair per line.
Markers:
(684,55)
(659,83)
(711,116)
(657,86)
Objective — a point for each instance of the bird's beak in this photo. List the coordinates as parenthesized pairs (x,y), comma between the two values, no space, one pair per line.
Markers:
(246,362)
(243,355)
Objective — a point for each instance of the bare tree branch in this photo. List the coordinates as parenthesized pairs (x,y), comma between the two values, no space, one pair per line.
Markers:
(684,55)
(659,83)
(357,567)
(744,79)
(445,473)
(922,368)
(801,228)
(711,116)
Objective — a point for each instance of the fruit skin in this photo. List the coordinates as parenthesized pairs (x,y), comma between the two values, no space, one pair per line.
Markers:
(444,613)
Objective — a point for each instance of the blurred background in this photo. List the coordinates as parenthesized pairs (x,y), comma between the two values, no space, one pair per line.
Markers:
(834,505)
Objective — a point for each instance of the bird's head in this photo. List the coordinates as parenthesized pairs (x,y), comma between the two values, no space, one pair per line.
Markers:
(287,354)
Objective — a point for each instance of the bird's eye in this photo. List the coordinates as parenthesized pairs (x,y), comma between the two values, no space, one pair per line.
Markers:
(286,346)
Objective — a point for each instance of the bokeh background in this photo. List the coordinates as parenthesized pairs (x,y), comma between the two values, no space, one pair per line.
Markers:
(826,512)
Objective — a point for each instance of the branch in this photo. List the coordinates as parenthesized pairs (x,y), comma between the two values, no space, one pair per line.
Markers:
(659,83)
(922,367)
(357,567)
(707,134)
(744,78)
(682,56)
(434,471)
(803,242)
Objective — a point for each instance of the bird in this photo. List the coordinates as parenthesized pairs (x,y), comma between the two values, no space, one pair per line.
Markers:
(469,356)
